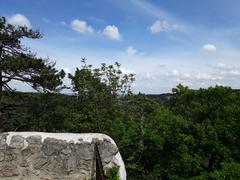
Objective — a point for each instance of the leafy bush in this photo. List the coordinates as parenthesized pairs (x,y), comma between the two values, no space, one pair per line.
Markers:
(113,173)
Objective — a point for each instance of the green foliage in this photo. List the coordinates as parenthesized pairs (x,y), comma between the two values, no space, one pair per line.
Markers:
(108,79)
(213,117)
(229,171)
(99,93)
(18,63)
(113,173)
(196,138)
(152,146)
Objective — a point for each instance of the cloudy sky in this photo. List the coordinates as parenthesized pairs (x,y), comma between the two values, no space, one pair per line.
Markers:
(196,43)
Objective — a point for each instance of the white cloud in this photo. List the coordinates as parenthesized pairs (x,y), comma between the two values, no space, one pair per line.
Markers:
(160,79)
(159,26)
(194,76)
(209,47)
(81,26)
(228,70)
(19,20)
(131,50)
(174,72)
(112,32)
(164,26)
(221,65)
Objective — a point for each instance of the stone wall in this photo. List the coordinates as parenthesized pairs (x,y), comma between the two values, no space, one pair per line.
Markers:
(55,156)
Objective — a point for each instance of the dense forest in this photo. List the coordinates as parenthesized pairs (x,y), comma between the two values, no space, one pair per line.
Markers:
(188,134)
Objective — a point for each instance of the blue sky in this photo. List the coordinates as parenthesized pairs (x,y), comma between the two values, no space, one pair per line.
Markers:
(196,43)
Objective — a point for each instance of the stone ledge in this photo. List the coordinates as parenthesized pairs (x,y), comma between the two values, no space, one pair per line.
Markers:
(67,156)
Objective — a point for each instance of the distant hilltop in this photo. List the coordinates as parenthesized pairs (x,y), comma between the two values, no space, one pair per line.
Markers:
(163,99)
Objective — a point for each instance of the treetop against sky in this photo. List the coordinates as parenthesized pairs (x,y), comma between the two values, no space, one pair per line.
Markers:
(164,42)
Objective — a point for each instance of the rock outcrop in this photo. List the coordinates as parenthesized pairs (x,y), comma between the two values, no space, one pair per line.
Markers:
(55,156)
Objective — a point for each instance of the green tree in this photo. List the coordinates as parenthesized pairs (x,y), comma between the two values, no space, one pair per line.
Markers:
(99,93)
(18,63)
(229,171)
(108,79)
(213,117)
(152,141)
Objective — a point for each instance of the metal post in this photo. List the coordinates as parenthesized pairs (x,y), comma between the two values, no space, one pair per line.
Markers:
(99,167)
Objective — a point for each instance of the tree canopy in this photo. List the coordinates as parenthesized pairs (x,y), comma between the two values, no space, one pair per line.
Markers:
(18,63)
